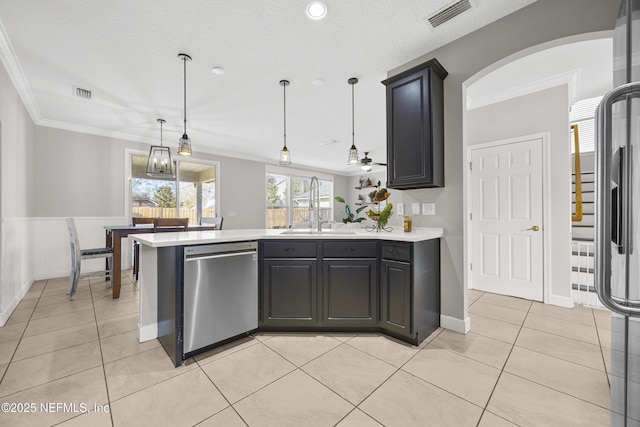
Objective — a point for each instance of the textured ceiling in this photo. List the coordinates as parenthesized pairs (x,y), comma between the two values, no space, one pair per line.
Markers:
(126,53)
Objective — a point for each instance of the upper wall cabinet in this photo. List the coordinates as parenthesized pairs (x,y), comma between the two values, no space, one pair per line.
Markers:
(415,127)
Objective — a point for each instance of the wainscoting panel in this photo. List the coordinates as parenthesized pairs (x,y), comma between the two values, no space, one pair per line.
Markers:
(52,252)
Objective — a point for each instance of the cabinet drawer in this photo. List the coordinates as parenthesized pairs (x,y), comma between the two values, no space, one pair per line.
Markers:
(397,251)
(349,249)
(289,249)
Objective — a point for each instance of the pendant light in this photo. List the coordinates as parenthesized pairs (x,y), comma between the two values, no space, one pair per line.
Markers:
(160,164)
(353,151)
(285,155)
(184,145)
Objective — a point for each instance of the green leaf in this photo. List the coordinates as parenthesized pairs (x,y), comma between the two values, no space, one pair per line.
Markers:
(360,209)
(339,199)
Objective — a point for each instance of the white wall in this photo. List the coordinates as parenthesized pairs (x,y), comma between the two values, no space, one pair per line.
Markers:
(540,112)
(16,152)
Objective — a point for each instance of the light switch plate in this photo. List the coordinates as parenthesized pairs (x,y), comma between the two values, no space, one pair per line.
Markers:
(400,208)
(415,208)
(428,209)
(231,213)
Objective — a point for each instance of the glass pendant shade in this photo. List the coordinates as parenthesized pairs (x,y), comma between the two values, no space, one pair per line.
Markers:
(160,164)
(184,144)
(285,155)
(353,155)
(353,151)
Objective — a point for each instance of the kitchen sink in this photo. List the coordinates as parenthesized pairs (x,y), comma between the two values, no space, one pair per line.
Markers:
(316,232)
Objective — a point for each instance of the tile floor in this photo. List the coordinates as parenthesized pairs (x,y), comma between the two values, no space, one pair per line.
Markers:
(79,363)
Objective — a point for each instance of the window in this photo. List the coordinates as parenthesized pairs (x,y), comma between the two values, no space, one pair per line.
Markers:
(583,114)
(287,200)
(192,194)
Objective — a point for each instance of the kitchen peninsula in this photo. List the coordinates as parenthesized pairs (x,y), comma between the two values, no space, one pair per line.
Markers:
(333,280)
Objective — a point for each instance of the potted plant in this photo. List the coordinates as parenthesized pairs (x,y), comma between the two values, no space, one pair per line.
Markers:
(351,217)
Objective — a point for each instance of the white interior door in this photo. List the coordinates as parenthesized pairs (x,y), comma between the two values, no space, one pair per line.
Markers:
(507,211)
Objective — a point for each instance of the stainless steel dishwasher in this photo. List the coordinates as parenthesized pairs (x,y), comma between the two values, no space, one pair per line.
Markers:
(220,292)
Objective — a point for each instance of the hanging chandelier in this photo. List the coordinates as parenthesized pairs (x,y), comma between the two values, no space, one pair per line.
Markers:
(285,155)
(353,151)
(159,164)
(184,144)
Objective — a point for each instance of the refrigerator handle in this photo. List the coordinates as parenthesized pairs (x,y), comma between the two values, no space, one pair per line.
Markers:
(617,196)
(610,201)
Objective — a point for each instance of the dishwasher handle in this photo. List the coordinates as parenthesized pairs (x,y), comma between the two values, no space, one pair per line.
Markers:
(220,255)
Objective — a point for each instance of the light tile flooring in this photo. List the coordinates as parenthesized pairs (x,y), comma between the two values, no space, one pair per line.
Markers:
(79,363)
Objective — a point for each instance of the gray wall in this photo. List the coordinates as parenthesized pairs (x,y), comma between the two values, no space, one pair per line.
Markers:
(540,22)
(84,175)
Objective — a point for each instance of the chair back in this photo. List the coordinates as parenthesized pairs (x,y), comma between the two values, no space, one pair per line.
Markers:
(170,224)
(216,221)
(141,220)
(75,247)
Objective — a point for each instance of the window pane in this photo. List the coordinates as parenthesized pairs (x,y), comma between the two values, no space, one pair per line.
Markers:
(151,197)
(196,191)
(300,199)
(193,198)
(276,193)
(326,190)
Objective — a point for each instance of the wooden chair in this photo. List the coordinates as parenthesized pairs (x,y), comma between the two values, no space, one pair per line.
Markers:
(170,224)
(216,221)
(136,245)
(77,255)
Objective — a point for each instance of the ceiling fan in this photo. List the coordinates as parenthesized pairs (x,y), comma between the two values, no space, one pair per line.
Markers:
(366,162)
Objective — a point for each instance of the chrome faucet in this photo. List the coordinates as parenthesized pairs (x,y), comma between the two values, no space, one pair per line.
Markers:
(314,204)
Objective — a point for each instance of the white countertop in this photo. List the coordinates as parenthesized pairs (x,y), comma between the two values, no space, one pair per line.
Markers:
(185,238)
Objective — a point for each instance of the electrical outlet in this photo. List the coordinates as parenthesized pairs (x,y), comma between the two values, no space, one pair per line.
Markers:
(415,208)
(400,208)
(428,209)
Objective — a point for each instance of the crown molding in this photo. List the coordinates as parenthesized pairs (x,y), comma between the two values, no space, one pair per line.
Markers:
(12,65)
(570,78)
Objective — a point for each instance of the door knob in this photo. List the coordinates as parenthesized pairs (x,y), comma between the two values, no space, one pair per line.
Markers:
(534,228)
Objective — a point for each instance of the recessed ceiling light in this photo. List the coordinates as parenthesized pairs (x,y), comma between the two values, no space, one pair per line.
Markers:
(218,70)
(316,10)
(318,82)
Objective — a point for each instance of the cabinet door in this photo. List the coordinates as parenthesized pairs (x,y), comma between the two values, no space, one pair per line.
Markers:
(395,297)
(290,292)
(350,292)
(415,127)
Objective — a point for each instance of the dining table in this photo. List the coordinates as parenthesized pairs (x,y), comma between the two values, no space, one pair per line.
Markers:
(113,239)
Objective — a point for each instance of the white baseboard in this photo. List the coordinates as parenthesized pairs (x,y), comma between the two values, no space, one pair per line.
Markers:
(147,333)
(566,302)
(4,315)
(455,324)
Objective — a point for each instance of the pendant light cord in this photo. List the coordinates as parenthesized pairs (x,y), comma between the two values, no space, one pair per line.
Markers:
(161,134)
(284,91)
(184,63)
(353,120)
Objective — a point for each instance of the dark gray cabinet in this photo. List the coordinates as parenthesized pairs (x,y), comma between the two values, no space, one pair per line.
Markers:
(410,289)
(395,297)
(357,285)
(289,283)
(415,127)
(350,283)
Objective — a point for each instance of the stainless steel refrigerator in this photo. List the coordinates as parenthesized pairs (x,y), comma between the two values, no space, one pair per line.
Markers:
(618,215)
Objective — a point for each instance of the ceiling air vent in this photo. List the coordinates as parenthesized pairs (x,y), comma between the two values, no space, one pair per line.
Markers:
(449,12)
(82,93)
